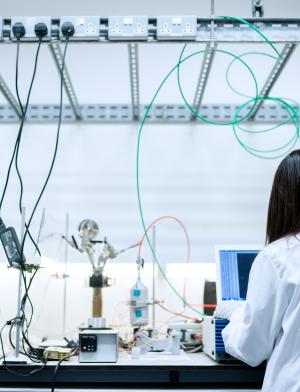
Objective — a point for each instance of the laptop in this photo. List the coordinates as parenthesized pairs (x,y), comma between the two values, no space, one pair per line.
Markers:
(234,263)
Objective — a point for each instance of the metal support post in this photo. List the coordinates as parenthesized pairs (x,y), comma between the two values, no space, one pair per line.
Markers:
(134,79)
(65,276)
(19,300)
(58,58)
(153,278)
(285,55)
(10,97)
(203,78)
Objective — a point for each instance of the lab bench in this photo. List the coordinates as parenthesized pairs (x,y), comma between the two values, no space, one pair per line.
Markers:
(191,371)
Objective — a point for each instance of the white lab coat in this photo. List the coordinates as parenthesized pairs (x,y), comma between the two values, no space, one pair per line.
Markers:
(268,326)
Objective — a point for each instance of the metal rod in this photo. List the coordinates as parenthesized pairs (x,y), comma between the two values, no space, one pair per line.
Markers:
(58,58)
(10,97)
(40,230)
(19,300)
(64,326)
(18,324)
(168,113)
(154,277)
(203,78)
(134,79)
(285,55)
(212,25)
(212,8)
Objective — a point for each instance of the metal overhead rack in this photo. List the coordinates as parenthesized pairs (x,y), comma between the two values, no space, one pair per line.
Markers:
(58,58)
(135,30)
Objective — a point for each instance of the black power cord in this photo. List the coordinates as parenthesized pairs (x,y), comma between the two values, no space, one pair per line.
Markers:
(35,357)
(22,319)
(19,31)
(32,372)
(24,112)
(57,368)
(41,31)
(15,155)
(67,30)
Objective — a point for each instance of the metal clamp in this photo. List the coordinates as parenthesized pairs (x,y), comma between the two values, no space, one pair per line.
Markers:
(257,8)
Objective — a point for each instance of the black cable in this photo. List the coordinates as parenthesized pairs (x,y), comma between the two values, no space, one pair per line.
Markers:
(17,140)
(24,352)
(17,76)
(31,314)
(17,143)
(25,297)
(31,373)
(57,368)
(24,112)
(33,355)
(56,144)
(27,288)
(48,177)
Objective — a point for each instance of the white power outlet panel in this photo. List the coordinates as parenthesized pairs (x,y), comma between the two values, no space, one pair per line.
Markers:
(176,27)
(131,28)
(1,29)
(87,27)
(29,24)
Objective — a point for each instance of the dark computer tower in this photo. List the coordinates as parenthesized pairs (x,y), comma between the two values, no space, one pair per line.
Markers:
(210,297)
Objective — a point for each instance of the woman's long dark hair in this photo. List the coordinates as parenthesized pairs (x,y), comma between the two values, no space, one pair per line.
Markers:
(284,205)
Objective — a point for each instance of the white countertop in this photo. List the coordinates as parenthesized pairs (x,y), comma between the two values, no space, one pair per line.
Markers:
(151,359)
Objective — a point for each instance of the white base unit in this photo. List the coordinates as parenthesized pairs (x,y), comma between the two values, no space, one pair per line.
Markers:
(98,346)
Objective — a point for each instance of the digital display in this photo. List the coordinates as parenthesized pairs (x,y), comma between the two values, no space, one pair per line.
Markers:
(88,343)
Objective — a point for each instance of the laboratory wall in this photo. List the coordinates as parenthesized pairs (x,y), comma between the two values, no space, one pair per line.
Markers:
(198,174)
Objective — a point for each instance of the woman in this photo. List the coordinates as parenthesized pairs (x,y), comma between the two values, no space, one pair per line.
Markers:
(267,327)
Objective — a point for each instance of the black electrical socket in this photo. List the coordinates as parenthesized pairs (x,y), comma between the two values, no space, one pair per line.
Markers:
(18,30)
(41,30)
(68,29)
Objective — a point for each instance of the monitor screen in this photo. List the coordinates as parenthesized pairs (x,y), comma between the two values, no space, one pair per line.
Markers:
(234,269)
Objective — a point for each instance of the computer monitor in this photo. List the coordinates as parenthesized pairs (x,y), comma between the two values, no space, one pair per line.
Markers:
(233,267)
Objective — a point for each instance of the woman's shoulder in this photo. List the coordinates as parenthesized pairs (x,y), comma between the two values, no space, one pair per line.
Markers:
(283,244)
(283,252)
